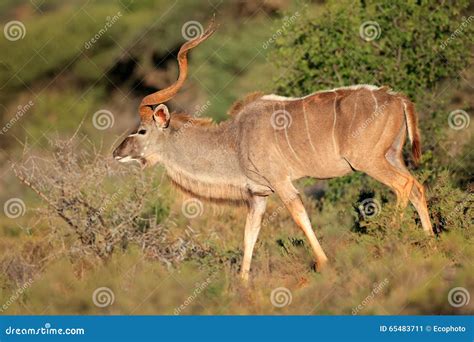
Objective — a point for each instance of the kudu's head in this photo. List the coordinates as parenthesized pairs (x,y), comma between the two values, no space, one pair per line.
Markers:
(146,143)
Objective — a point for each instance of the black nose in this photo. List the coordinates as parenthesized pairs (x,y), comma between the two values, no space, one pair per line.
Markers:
(117,154)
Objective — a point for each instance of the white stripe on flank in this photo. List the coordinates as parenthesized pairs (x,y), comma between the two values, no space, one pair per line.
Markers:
(307,129)
(376,103)
(354,113)
(291,148)
(283,157)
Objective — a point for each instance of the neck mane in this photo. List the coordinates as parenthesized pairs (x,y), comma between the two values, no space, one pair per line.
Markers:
(202,160)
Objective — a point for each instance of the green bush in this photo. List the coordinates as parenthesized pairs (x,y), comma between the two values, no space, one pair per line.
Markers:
(408,45)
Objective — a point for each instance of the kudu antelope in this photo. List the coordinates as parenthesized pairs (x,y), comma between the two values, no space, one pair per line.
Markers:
(271,140)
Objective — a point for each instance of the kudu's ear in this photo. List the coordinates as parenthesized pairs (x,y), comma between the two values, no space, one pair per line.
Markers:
(161,116)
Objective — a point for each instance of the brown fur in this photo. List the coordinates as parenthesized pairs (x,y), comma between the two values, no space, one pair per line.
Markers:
(179,120)
(241,103)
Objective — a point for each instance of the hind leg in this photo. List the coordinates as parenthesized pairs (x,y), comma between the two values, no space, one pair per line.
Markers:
(406,187)
(292,200)
(389,175)
(418,199)
(417,194)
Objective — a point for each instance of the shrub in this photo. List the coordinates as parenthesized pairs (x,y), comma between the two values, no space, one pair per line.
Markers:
(94,207)
(407,45)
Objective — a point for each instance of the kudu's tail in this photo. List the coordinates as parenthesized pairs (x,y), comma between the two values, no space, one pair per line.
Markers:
(412,127)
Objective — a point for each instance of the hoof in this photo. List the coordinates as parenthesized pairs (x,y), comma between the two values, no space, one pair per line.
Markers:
(244,277)
(321,265)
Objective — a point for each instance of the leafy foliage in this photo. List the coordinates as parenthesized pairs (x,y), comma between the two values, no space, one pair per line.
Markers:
(409,50)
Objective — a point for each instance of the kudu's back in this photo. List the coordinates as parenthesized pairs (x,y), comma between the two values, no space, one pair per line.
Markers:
(322,135)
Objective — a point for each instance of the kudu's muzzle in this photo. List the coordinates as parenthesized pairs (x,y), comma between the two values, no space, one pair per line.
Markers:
(127,151)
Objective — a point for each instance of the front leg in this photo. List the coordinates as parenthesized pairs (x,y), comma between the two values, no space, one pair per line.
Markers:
(257,206)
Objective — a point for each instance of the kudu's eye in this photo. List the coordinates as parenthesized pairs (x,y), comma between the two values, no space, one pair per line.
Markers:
(142,131)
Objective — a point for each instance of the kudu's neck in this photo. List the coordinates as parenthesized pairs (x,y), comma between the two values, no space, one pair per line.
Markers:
(203,161)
